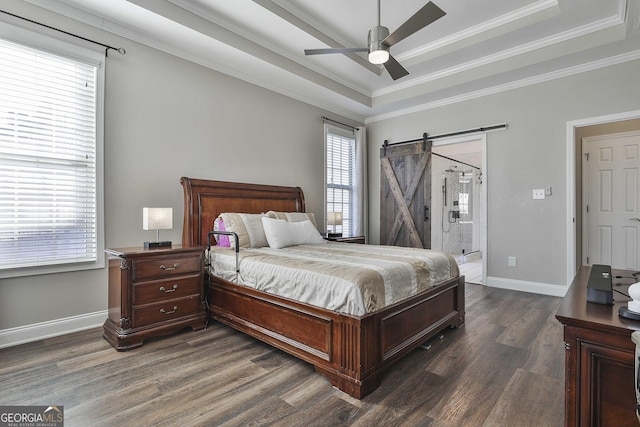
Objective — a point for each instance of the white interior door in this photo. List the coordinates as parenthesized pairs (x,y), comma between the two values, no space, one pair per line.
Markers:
(611,195)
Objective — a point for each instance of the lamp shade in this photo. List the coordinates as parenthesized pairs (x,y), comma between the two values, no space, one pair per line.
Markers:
(634,293)
(157,218)
(334,218)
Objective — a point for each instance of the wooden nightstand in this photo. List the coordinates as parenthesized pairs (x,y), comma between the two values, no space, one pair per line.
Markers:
(352,239)
(153,292)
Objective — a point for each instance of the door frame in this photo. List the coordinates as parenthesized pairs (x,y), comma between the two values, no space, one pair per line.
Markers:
(482,138)
(571,180)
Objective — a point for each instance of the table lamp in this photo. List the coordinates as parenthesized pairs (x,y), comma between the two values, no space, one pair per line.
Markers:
(334,219)
(157,219)
(632,309)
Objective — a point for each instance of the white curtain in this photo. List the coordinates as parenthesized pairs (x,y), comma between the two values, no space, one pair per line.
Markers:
(361,213)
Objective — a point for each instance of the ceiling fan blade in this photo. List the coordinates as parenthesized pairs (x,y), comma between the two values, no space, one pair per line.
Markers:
(425,16)
(335,50)
(394,68)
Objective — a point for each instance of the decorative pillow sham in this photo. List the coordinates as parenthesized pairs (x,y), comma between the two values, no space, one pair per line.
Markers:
(280,233)
(294,216)
(248,227)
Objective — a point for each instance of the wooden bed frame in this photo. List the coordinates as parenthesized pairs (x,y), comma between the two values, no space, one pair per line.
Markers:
(352,352)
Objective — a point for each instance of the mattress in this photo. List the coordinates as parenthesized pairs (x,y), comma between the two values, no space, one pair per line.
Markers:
(344,277)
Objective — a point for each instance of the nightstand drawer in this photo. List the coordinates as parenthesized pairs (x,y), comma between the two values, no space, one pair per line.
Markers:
(164,267)
(165,311)
(165,289)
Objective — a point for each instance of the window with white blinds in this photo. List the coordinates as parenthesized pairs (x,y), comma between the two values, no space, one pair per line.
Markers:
(340,161)
(48,162)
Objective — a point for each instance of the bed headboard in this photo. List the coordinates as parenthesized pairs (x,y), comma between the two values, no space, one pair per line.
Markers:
(204,200)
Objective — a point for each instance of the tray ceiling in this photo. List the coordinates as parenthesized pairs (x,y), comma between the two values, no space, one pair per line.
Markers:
(478,47)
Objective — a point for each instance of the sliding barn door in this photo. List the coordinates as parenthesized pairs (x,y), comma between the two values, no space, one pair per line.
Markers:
(405,215)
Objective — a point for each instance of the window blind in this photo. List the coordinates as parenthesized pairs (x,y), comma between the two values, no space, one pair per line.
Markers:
(340,178)
(48,211)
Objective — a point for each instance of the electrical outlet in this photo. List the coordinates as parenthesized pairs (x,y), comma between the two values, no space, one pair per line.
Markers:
(511,261)
(538,194)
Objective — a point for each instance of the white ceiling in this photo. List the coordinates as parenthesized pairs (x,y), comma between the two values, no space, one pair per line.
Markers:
(478,47)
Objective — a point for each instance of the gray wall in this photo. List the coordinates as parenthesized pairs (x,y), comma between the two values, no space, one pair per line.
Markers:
(530,154)
(166,118)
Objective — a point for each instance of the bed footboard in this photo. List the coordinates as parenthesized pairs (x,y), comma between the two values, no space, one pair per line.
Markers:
(352,352)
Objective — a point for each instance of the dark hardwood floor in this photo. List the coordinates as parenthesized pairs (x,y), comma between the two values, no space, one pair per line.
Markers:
(505,367)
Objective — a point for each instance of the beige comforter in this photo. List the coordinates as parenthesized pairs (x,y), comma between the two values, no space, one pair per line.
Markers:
(348,278)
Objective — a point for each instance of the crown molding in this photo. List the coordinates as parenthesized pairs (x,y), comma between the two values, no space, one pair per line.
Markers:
(566,72)
(555,39)
(542,7)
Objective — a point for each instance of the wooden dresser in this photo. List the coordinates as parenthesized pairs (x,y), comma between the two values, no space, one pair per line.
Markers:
(599,361)
(153,292)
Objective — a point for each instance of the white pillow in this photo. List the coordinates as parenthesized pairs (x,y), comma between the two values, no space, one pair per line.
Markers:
(294,216)
(281,234)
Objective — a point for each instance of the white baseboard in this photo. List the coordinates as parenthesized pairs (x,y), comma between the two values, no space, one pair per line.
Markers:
(52,328)
(526,286)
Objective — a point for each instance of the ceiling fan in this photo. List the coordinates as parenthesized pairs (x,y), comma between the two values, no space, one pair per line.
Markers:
(380,40)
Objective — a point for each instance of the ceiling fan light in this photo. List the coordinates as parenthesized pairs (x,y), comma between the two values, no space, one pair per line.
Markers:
(378,56)
(378,52)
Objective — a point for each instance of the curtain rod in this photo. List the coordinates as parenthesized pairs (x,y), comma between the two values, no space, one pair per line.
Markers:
(120,50)
(427,137)
(353,128)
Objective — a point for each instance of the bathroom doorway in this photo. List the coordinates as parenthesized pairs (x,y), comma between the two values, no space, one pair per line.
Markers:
(458,200)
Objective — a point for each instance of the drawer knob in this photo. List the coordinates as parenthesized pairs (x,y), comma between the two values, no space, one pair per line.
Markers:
(165,268)
(165,290)
(163,311)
